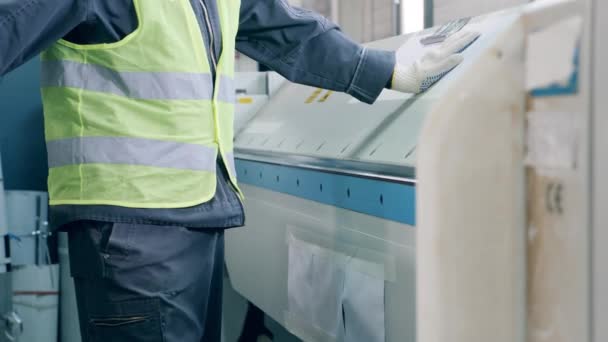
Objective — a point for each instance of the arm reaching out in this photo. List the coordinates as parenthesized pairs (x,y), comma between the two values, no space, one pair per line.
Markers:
(306,48)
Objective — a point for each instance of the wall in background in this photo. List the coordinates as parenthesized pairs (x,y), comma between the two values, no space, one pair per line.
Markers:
(363,20)
(446,10)
(368,20)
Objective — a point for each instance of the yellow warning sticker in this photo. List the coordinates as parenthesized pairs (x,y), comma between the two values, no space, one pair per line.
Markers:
(245,100)
(314,95)
(326,96)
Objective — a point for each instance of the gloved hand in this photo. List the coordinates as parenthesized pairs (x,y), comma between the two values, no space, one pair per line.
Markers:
(435,64)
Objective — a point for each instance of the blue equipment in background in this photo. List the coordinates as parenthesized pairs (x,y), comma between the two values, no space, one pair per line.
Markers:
(22,129)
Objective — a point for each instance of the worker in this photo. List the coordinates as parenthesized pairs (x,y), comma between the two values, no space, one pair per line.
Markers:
(138,100)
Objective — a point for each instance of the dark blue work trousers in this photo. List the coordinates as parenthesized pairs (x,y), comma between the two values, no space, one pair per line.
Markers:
(140,283)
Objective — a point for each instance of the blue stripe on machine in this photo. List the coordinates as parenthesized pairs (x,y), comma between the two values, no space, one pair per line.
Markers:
(387,200)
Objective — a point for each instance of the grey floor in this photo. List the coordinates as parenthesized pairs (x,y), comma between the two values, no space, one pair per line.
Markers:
(235,308)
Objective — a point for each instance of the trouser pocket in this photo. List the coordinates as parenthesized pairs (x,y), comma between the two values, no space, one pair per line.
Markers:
(133,321)
(95,247)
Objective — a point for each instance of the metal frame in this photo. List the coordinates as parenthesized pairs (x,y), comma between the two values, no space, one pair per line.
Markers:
(382,172)
(599,169)
(429,18)
(397,15)
(387,200)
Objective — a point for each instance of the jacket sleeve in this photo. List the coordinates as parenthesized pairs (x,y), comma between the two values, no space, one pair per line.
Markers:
(306,48)
(29,26)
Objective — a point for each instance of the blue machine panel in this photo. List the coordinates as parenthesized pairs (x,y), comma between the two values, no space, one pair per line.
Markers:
(22,129)
(387,200)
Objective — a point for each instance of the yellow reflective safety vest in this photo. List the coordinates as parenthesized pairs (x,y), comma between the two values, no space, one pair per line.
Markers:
(139,123)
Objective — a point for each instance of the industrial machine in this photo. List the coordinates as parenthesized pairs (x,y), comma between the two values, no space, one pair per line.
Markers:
(473,212)
(10,323)
(330,187)
(410,220)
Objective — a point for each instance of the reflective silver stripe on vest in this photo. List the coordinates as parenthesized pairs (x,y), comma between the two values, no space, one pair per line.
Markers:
(231,164)
(130,151)
(227,90)
(137,85)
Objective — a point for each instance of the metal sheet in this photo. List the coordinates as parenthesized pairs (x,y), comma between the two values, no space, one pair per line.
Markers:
(3,225)
(600,170)
(6,300)
(388,200)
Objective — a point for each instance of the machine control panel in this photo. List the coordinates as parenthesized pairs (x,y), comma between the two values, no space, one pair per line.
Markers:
(306,121)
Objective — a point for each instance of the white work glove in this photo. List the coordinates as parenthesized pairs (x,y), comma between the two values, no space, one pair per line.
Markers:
(435,64)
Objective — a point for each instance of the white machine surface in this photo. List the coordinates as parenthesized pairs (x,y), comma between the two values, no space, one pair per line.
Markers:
(460,215)
(253,92)
(330,183)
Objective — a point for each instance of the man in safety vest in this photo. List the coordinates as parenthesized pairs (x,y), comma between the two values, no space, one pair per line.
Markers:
(138,102)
